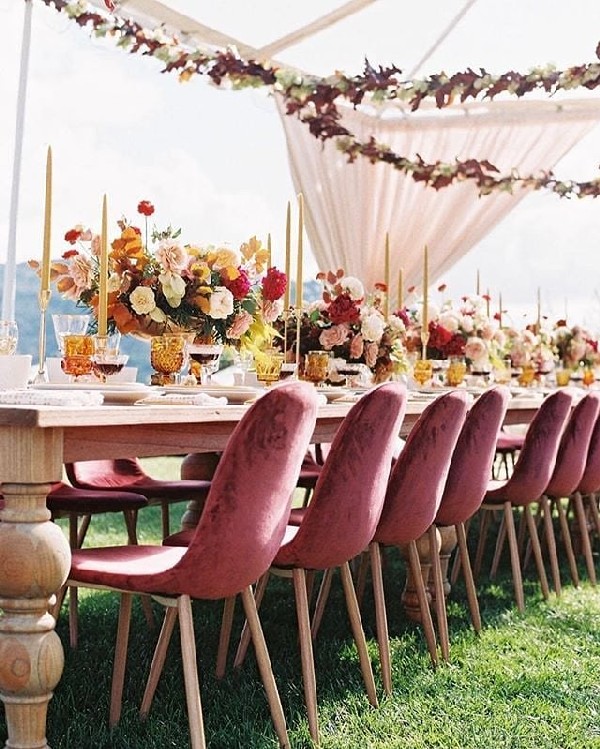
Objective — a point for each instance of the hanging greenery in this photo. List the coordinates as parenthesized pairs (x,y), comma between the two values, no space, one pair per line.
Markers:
(314,99)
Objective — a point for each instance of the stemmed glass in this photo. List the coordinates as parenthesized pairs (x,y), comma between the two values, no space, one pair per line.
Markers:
(206,357)
(316,366)
(9,337)
(76,347)
(107,360)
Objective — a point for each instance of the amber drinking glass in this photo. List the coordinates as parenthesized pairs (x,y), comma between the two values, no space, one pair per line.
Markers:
(316,366)
(167,356)
(268,365)
(456,371)
(77,355)
(423,371)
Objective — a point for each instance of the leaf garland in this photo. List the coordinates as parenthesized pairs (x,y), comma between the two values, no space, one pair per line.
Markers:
(313,99)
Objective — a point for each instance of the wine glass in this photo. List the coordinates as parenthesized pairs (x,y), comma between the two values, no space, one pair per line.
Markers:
(69,325)
(9,337)
(206,358)
(107,360)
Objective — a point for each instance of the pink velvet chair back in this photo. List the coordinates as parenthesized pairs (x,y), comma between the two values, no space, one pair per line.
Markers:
(112,474)
(419,475)
(574,446)
(341,518)
(590,481)
(472,459)
(245,515)
(535,465)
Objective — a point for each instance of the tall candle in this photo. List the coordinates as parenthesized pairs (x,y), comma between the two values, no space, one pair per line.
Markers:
(386,274)
(500,310)
(45,277)
(401,288)
(539,310)
(299,266)
(425,290)
(288,262)
(269,258)
(477,288)
(487,303)
(103,285)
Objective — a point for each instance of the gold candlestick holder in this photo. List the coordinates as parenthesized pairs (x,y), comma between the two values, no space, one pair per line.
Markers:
(41,375)
(424,342)
(298,326)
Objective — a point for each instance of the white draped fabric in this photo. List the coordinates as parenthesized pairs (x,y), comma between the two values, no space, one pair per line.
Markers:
(350,207)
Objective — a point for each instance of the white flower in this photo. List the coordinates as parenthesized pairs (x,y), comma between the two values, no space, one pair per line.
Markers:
(449,321)
(142,300)
(353,287)
(372,327)
(396,324)
(221,303)
(171,255)
(467,324)
(173,287)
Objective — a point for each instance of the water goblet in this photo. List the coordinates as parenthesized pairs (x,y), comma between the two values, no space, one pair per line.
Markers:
(268,365)
(107,360)
(69,325)
(423,371)
(316,366)
(206,358)
(9,337)
(78,350)
(168,353)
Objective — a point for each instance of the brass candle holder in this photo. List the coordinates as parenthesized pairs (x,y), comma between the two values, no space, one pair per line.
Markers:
(41,375)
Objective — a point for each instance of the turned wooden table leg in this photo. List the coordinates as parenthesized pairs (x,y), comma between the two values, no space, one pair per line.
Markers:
(447,546)
(34,563)
(409,597)
(198,466)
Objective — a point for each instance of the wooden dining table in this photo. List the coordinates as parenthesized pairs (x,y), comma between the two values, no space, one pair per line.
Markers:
(35,442)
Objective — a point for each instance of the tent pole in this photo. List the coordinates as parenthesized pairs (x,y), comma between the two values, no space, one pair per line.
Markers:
(10,268)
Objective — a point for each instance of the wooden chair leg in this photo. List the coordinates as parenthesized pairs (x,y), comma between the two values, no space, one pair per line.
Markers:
(242,649)
(537,550)
(118,677)
(264,666)
(190,673)
(500,540)
(358,633)
(551,543)
(225,636)
(164,517)
(484,521)
(515,563)
(438,587)
(82,532)
(306,653)
(361,577)
(592,503)
(415,568)
(158,659)
(585,539)
(567,542)
(463,555)
(322,597)
(383,640)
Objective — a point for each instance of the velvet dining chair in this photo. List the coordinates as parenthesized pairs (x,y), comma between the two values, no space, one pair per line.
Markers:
(127,474)
(526,485)
(411,504)
(237,537)
(468,477)
(338,524)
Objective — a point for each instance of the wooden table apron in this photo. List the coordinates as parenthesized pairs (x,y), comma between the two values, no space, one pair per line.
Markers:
(34,553)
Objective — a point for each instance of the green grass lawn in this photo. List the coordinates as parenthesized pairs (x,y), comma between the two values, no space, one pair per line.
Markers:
(528,681)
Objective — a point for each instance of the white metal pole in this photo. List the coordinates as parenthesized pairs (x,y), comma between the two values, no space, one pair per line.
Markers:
(10,267)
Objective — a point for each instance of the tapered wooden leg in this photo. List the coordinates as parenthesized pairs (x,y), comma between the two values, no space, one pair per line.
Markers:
(537,550)
(515,563)
(264,666)
(225,636)
(306,653)
(118,677)
(585,538)
(551,543)
(463,554)
(158,659)
(358,632)
(242,649)
(190,673)
(484,521)
(567,542)
(592,502)
(361,578)
(498,549)
(438,587)
(322,597)
(426,620)
(383,640)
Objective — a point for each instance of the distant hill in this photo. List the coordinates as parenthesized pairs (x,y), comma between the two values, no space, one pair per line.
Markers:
(28,319)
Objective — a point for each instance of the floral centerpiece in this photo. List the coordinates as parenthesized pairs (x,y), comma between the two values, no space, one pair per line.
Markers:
(215,293)
(351,324)
(575,346)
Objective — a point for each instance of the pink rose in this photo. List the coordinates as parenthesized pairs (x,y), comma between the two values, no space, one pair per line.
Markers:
(240,324)
(371,350)
(336,335)
(271,309)
(475,349)
(357,347)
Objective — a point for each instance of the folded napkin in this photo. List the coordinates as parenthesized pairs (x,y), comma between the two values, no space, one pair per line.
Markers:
(181,399)
(70,398)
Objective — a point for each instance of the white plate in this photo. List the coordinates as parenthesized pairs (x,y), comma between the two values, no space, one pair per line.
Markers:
(237,394)
(122,392)
(333,393)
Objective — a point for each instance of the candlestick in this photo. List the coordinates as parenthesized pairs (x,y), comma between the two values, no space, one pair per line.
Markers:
(499,310)
(103,284)
(45,276)
(401,288)
(299,261)
(288,264)
(386,274)
(425,316)
(477,287)
(269,257)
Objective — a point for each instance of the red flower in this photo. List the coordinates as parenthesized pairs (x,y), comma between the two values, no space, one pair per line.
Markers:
(240,286)
(69,253)
(72,235)
(274,285)
(343,309)
(145,207)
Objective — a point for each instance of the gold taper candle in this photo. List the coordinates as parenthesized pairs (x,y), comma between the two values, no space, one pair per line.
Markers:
(299,266)
(478,286)
(499,310)
(401,288)
(386,273)
(103,284)
(45,277)
(425,290)
(487,304)
(288,262)
(269,258)
(539,309)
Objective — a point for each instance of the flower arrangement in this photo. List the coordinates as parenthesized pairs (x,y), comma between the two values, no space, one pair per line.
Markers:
(351,324)
(228,296)
(574,346)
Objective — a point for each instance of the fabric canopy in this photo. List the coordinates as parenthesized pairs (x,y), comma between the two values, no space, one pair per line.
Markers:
(350,207)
